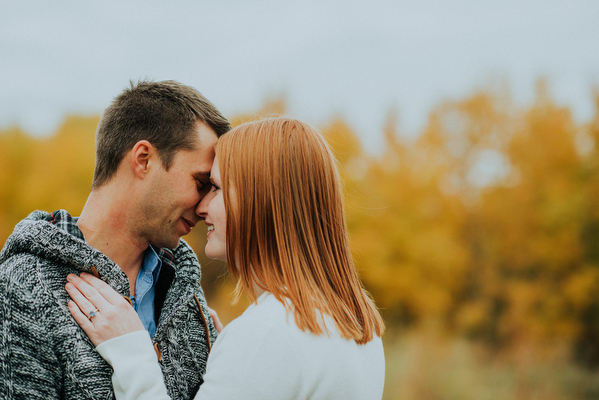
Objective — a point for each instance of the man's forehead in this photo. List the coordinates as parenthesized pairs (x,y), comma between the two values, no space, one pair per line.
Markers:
(206,135)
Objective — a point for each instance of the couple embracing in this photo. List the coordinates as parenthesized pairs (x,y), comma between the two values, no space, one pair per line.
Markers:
(109,303)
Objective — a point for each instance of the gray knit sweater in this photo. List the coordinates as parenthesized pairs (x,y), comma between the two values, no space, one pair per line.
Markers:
(43,352)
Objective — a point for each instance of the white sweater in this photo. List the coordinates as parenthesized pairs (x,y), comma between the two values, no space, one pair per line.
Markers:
(260,355)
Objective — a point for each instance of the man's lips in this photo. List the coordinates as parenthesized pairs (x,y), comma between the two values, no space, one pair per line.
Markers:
(188,224)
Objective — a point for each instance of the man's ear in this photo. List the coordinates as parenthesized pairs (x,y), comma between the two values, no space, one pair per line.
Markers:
(142,155)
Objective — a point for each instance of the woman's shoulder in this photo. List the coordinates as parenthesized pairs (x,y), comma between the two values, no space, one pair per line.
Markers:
(267,322)
(267,313)
(265,344)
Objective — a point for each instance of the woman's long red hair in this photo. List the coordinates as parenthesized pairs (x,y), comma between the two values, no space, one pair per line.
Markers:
(286,229)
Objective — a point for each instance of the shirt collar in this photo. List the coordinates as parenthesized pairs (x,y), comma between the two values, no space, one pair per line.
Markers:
(151,262)
(63,220)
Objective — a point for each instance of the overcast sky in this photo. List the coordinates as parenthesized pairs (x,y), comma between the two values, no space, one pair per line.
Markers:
(354,58)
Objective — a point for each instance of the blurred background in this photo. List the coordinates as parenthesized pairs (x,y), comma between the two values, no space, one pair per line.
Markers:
(467,134)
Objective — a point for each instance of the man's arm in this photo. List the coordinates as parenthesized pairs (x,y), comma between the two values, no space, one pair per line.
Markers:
(29,369)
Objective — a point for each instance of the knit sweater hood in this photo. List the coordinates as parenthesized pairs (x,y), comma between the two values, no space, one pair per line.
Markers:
(38,236)
(45,354)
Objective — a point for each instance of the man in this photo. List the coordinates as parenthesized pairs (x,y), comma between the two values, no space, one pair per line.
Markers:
(154,152)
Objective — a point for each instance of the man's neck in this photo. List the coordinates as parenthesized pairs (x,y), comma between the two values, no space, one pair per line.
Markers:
(103,222)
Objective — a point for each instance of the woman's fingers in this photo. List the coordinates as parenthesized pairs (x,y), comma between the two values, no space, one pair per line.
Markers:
(111,295)
(85,322)
(87,297)
(81,300)
(100,311)
(79,316)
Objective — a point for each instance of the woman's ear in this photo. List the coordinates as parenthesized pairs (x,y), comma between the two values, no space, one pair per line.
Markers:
(141,155)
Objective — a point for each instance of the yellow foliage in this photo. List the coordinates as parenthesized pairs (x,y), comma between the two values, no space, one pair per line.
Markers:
(512,258)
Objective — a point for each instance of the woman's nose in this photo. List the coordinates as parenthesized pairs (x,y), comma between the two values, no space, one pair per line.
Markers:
(202,208)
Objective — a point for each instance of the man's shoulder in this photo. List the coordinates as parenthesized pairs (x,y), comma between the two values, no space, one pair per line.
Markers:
(34,230)
(21,287)
(19,266)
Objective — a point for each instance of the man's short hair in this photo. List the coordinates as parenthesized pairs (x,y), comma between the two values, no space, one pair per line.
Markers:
(163,113)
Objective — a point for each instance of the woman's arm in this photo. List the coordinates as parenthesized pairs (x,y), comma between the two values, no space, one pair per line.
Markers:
(137,374)
(119,336)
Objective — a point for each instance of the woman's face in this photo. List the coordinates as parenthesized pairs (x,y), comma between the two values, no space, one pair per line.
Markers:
(212,210)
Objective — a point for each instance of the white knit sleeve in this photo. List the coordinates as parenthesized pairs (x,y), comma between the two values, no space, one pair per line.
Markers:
(137,374)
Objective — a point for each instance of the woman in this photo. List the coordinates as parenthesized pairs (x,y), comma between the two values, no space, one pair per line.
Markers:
(275,214)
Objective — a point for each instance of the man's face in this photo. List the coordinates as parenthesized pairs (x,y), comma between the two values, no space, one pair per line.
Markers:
(173,195)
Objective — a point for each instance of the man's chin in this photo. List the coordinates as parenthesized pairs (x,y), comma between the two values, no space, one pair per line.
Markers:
(169,244)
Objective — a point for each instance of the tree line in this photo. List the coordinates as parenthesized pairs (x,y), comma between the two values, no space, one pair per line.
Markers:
(485,224)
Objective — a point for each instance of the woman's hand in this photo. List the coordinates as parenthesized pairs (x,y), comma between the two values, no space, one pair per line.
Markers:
(100,311)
